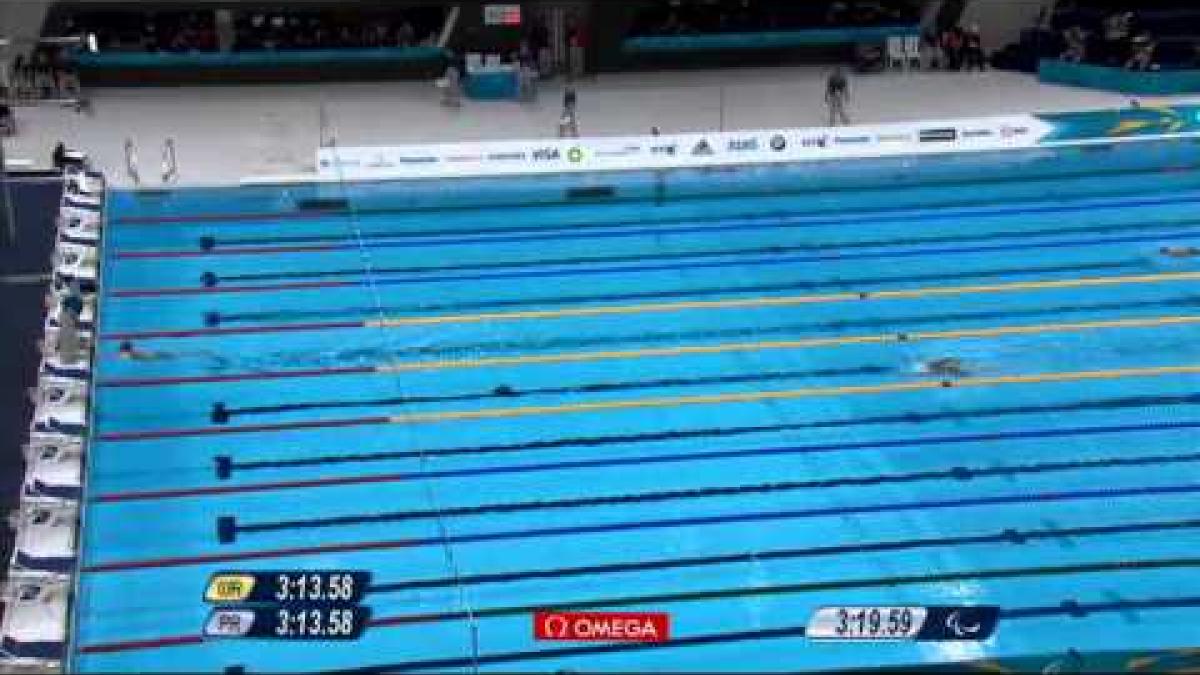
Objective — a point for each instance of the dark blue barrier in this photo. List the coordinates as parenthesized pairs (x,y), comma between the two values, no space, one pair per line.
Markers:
(257,59)
(1161,82)
(763,40)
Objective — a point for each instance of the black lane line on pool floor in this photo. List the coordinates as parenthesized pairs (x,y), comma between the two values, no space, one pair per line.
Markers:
(213,279)
(365,479)
(504,391)
(214,318)
(956,473)
(1067,608)
(910,417)
(648,524)
(302,213)
(1009,536)
(612,233)
(662,599)
(505,347)
(1159,237)
(209,244)
(966,207)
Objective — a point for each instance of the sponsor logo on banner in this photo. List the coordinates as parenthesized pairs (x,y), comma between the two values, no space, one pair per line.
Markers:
(324,163)
(464,158)
(1008,132)
(814,142)
(978,133)
(778,142)
(938,135)
(416,159)
(702,149)
(378,162)
(547,155)
(669,149)
(575,155)
(506,156)
(602,626)
(743,144)
(852,140)
(895,138)
(623,152)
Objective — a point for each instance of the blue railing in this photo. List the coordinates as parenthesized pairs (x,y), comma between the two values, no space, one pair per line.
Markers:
(764,40)
(257,59)
(1149,83)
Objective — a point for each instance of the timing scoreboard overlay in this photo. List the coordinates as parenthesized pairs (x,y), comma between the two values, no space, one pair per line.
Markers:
(923,623)
(292,604)
(716,149)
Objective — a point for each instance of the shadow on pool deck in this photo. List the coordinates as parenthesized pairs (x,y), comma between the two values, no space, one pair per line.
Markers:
(35,203)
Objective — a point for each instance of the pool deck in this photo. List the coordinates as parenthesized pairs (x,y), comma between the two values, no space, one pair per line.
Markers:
(225,133)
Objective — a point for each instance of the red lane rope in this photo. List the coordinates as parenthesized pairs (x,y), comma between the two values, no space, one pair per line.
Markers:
(220,217)
(202,290)
(182,561)
(238,250)
(236,377)
(134,645)
(151,434)
(250,487)
(235,330)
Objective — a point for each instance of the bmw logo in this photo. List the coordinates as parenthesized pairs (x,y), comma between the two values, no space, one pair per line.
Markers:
(778,142)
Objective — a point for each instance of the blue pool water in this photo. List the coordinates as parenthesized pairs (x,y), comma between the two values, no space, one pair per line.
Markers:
(701,394)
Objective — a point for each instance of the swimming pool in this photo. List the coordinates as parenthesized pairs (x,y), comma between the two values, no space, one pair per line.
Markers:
(696,392)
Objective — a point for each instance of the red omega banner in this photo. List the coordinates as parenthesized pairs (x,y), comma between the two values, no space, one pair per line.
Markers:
(602,626)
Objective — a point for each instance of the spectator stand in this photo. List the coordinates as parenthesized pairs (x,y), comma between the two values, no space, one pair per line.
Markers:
(1145,47)
(248,44)
(690,28)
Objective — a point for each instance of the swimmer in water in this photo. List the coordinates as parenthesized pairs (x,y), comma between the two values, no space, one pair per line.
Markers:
(130,353)
(944,367)
(1179,251)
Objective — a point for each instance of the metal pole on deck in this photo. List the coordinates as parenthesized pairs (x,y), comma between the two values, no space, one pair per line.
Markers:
(722,103)
(10,218)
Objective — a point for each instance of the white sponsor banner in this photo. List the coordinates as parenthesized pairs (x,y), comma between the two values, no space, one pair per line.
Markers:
(692,150)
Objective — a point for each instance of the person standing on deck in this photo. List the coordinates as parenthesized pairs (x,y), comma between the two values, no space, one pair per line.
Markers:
(837,94)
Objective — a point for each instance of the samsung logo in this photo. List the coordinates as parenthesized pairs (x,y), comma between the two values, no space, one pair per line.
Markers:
(852,140)
(743,144)
(938,135)
(623,152)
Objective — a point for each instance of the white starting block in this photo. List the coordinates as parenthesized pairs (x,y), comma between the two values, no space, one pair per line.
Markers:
(86,318)
(60,409)
(62,284)
(45,543)
(34,631)
(82,183)
(81,201)
(89,217)
(76,261)
(54,470)
(78,226)
(60,391)
(53,366)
